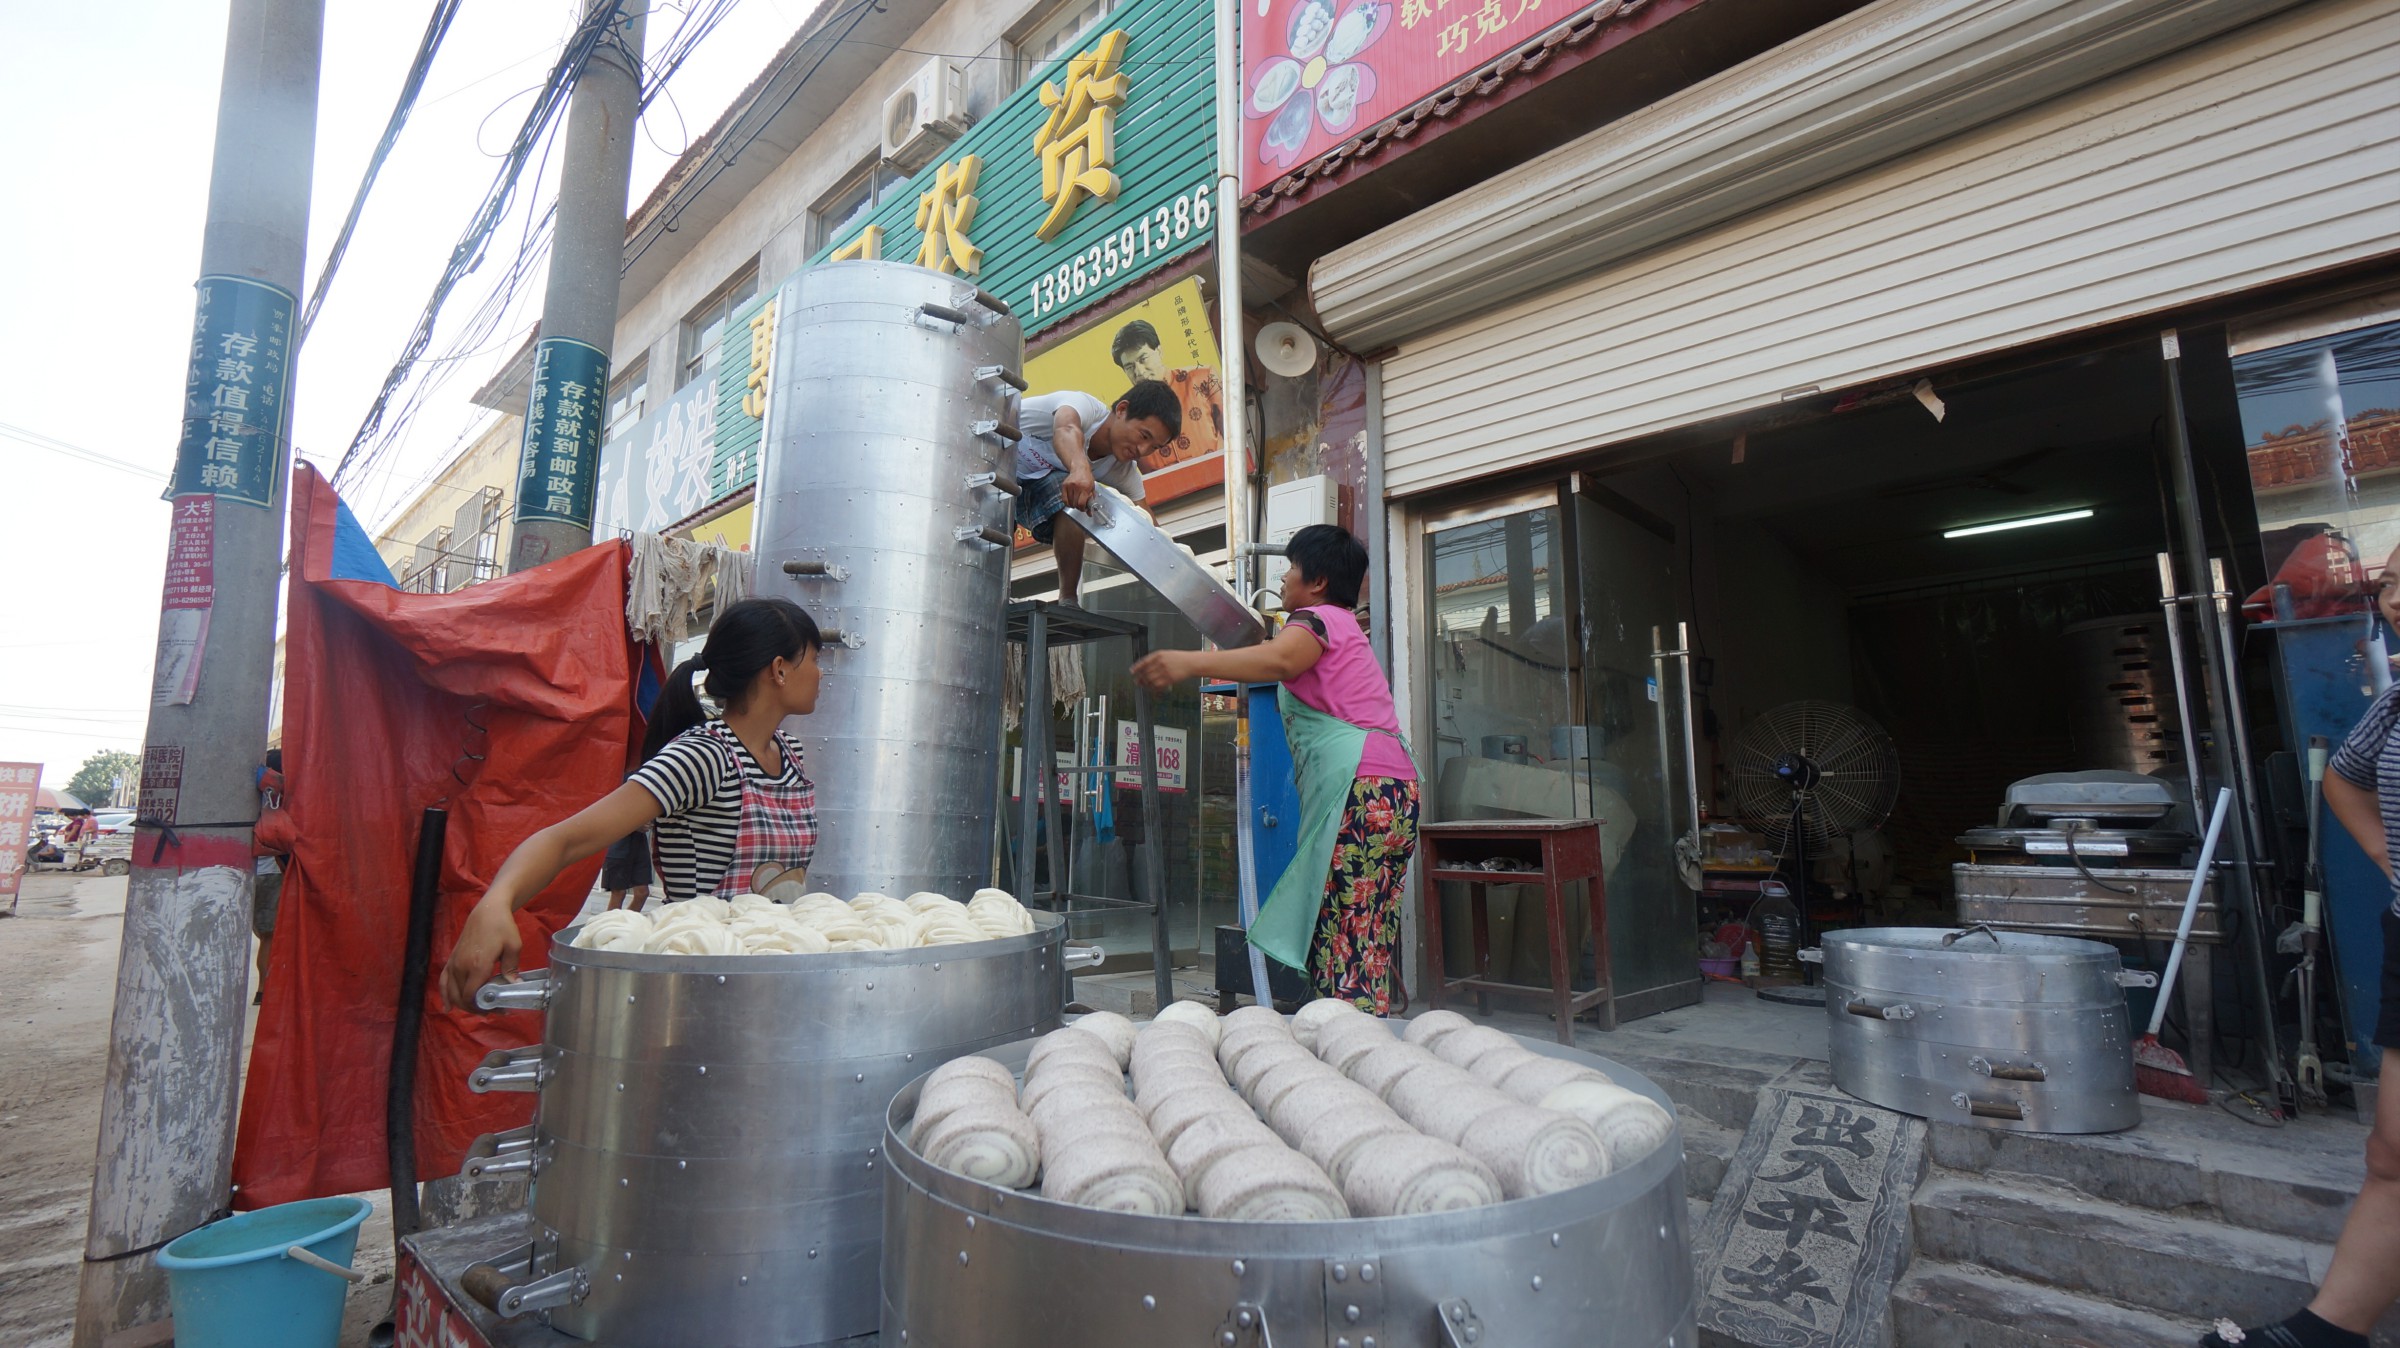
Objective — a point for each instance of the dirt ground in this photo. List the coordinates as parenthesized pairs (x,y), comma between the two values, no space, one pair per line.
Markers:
(58,961)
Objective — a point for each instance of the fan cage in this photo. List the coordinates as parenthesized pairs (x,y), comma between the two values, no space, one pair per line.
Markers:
(1858,770)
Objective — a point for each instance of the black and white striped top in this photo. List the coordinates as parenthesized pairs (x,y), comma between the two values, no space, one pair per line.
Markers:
(2369,759)
(699,793)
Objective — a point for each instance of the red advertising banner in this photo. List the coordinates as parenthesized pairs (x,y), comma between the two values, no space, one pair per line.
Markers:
(1316,72)
(18,784)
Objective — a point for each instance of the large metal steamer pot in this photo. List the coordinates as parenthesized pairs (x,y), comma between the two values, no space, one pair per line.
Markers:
(886,503)
(967,1264)
(707,1156)
(1999,1029)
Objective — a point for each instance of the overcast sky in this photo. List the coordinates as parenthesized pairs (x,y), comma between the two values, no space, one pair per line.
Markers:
(112,110)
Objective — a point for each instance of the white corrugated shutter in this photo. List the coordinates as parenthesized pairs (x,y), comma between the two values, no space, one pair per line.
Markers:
(2268,153)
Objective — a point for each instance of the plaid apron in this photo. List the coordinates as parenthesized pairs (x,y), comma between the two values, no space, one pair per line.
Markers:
(778,829)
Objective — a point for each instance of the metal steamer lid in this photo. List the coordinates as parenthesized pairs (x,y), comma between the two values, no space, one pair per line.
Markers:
(1195,591)
(1977,941)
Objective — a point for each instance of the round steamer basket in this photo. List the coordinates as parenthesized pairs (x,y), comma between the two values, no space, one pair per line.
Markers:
(707,1157)
(966,1263)
(1996,1029)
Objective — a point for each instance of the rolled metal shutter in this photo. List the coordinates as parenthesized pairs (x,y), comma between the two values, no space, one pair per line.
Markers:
(2267,153)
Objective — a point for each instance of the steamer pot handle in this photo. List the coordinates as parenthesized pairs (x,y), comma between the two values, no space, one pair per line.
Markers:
(1002,373)
(510,1069)
(987,300)
(1084,956)
(806,569)
(496,1154)
(2136,978)
(944,313)
(1953,937)
(492,1289)
(990,535)
(999,481)
(1989,1109)
(2004,1071)
(1813,955)
(530,992)
(1860,1006)
(999,432)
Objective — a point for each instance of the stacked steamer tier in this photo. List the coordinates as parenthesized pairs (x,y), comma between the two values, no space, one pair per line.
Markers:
(885,505)
(1327,1179)
(707,1159)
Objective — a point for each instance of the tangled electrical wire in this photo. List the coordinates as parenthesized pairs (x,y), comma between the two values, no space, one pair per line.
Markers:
(387,422)
(596,29)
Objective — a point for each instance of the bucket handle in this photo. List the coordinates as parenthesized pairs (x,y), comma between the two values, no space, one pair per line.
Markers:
(1952,938)
(304,1255)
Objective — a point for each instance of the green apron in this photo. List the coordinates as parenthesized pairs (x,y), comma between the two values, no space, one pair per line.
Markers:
(1325,754)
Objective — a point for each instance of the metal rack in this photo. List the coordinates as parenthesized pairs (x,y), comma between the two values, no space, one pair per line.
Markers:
(1037,625)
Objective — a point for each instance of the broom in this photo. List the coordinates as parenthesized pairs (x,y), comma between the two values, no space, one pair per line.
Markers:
(2157,1069)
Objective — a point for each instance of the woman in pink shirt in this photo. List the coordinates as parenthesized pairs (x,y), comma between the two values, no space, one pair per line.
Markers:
(1358,786)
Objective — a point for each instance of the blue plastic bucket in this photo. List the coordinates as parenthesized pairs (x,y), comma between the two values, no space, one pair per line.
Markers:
(233,1286)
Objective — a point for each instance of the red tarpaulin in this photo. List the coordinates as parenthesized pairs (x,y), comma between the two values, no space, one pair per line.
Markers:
(384,692)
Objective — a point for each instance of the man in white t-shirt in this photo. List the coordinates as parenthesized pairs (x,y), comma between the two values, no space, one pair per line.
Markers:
(1073,441)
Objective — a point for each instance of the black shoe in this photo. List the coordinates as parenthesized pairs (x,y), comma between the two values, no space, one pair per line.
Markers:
(2303,1330)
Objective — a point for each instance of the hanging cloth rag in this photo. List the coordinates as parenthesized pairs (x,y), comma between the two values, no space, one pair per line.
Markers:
(1067,683)
(670,579)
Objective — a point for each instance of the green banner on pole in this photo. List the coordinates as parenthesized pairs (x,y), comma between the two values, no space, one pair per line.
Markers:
(563,420)
(236,392)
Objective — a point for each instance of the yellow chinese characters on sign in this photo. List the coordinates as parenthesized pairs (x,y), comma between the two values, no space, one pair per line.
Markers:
(1076,143)
(867,247)
(946,213)
(762,350)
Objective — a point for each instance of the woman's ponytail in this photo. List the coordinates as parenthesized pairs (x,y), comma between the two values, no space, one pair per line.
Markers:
(677,709)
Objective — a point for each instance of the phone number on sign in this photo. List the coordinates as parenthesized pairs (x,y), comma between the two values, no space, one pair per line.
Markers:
(1161,231)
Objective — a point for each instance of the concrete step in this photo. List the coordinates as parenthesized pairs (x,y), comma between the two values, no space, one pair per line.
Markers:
(1707,1150)
(1941,1305)
(2181,1265)
(2186,1159)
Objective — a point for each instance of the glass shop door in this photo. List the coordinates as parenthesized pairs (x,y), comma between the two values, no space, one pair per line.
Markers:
(1501,721)
(1635,746)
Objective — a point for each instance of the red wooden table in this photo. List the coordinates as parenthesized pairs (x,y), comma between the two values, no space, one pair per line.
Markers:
(1560,852)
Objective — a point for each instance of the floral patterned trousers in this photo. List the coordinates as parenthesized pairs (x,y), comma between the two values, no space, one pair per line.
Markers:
(1357,944)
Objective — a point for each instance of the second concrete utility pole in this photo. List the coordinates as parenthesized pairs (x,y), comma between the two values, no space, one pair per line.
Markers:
(567,401)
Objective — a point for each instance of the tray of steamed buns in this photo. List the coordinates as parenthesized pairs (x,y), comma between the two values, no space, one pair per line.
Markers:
(814,924)
(1329,1115)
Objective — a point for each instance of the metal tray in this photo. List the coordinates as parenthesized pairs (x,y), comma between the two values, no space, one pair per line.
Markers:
(965,1263)
(1121,527)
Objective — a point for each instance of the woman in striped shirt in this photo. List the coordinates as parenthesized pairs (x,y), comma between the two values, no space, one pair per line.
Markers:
(724,795)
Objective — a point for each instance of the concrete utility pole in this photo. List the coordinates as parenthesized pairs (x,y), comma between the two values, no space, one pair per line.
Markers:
(567,407)
(174,1061)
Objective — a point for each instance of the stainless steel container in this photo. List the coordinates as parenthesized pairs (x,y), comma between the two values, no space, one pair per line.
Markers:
(707,1157)
(2124,711)
(969,1264)
(1999,1029)
(2146,902)
(886,501)
(1146,550)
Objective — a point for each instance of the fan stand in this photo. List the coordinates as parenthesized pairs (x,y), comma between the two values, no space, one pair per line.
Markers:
(1801,775)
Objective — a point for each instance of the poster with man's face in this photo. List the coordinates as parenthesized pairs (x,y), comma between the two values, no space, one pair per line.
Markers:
(1165,337)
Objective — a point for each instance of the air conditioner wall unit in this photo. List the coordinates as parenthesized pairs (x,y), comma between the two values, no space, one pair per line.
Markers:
(925,114)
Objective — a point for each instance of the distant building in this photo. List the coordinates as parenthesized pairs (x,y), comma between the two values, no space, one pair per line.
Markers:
(454,532)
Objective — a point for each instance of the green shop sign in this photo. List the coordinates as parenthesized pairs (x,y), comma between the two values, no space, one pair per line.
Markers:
(1094,175)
